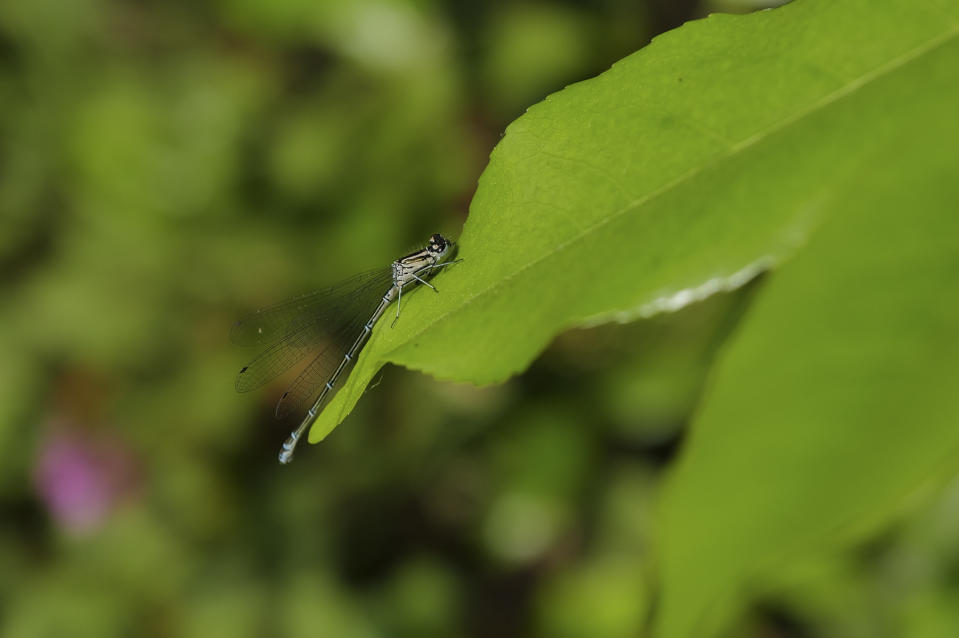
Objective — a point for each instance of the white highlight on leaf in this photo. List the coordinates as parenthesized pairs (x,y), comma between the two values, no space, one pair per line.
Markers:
(673,301)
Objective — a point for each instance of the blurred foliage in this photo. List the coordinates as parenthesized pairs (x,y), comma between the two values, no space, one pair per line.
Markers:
(165,167)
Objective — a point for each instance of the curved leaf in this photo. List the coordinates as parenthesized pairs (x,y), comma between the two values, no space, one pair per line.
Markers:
(837,398)
(682,170)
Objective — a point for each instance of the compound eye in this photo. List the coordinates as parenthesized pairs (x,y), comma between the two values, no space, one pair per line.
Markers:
(437,243)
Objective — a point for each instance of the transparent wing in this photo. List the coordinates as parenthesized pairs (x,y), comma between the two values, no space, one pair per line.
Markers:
(312,379)
(283,355)
(304,326)
(272,324)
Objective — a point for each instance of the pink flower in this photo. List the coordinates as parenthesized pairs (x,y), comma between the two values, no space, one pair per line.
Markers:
(81,476)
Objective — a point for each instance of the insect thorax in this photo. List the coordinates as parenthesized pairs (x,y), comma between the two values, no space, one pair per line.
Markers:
(406,267)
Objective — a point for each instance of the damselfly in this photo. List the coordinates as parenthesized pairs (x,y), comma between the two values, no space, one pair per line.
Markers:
(330,327)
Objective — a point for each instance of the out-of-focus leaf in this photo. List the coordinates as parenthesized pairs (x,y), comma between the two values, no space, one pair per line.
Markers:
(679,172)
(603,598)
(837,397)
(532,49)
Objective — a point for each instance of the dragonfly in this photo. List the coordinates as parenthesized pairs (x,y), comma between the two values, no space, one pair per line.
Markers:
(328,328)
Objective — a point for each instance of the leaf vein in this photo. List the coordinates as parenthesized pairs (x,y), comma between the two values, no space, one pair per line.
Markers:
(851,87)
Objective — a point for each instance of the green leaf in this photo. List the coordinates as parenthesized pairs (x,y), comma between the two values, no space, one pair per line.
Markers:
(683,170)
(837,398)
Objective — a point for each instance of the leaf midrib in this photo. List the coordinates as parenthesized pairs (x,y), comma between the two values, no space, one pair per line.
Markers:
(842,92)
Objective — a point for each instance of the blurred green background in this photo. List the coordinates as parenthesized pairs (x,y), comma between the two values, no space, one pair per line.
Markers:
(166,167)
